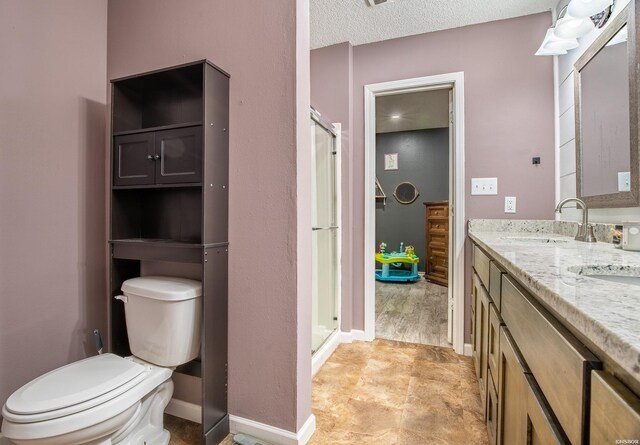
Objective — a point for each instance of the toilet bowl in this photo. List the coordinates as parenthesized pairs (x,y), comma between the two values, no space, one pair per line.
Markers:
(109,399)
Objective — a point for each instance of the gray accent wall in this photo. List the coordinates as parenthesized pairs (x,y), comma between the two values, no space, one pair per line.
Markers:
(423,160)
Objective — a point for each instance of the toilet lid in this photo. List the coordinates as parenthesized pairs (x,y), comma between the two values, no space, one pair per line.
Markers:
(73,384)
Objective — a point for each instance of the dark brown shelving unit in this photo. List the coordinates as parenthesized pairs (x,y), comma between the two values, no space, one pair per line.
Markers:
(169,203)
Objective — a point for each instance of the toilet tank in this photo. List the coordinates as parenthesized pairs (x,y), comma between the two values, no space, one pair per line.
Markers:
(164,317)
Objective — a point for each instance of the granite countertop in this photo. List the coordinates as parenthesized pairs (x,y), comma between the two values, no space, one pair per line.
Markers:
(549,263)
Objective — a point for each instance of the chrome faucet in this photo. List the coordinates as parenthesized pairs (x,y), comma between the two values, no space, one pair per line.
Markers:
(585,230)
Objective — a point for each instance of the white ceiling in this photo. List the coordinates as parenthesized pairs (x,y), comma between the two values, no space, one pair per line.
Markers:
(337,21)
(415,111)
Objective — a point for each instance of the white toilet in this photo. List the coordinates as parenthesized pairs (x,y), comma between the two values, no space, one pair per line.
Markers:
(108,399)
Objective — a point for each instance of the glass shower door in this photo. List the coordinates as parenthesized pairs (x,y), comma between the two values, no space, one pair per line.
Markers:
(325,235)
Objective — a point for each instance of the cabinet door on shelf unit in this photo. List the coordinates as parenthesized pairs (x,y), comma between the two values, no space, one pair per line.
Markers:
(180,155)
(133,159)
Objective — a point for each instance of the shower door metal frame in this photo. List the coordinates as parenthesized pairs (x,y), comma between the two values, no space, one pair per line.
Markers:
(335,130)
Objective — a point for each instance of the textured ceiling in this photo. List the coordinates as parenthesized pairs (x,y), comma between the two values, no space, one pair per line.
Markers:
(337,21)
(415,111)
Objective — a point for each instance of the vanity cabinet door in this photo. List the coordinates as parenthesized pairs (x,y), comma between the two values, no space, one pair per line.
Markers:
(615,410)
(511,391)
(481,330)
(493,339)
(542,426)
(133,162)
(492,409)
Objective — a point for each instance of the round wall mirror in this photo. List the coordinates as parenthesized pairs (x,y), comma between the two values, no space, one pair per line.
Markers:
(406,193)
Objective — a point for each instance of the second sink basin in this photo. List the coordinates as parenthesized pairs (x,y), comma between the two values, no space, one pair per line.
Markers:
(612,273)
(531,239)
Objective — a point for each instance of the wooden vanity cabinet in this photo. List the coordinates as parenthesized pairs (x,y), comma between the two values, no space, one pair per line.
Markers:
(532,372)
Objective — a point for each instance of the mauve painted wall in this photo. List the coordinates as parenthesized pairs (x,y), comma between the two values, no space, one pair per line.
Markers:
(269,271)
(331,93)
(508,116)
(52,185)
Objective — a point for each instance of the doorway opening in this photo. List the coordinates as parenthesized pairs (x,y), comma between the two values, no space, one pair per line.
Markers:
(451,85)
(411,225)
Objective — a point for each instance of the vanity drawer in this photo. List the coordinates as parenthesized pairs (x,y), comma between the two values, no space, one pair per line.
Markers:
(559,363)
(615,411)
(481,265)
(495,283)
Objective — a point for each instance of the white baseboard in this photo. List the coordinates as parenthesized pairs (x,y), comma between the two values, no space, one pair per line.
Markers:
(271,434)
(353,335)
(184,410)
(358,335)
(325,351)
(468,349)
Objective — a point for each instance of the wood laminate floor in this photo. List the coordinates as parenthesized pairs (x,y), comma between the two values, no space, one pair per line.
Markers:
(412,312)
(393,393)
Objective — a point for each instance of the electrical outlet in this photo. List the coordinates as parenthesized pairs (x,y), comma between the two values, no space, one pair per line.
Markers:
(509,204)
(484,186)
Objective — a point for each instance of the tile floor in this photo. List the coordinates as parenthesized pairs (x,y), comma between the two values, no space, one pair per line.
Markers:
(412,312)
(393,393)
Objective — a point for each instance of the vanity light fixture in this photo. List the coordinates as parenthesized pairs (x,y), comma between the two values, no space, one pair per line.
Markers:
(554,46)
(576,19)
(570,27)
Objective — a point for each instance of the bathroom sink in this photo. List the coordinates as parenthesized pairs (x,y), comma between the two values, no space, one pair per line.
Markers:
(612,273)
(528,239)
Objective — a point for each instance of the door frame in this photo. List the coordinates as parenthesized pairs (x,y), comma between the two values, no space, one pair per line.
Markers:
(455,81)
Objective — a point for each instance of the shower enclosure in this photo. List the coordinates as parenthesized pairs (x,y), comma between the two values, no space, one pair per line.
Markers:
(326,231)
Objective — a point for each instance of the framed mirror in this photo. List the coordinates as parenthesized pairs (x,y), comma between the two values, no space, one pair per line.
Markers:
(606,107)
(406,193)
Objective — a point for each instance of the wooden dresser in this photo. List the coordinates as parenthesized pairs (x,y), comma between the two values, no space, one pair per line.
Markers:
(437,242)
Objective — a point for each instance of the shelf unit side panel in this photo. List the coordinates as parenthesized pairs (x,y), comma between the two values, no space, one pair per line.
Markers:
(216,157)
(214,336)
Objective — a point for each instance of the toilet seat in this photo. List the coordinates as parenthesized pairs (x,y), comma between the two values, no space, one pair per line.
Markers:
(73,388)
(120,385)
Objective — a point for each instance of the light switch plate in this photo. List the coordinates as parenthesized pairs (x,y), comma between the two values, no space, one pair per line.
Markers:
(484,186)
(509,204)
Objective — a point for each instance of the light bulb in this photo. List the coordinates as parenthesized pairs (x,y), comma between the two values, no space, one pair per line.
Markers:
(587,8)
